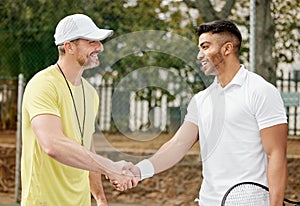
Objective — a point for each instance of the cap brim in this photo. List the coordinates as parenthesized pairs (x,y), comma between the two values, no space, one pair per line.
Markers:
(99,35)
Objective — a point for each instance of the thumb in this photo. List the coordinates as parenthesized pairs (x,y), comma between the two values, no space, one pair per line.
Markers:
(127,166)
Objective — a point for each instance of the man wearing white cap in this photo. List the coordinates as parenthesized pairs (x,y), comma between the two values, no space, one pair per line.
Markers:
(59,165)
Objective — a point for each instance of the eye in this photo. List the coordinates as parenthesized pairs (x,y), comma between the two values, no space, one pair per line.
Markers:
(204,47)
(95,42)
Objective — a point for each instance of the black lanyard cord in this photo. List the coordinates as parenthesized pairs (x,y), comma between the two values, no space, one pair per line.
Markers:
(73,100)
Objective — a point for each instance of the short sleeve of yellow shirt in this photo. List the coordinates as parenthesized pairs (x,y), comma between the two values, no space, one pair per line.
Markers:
(44,180)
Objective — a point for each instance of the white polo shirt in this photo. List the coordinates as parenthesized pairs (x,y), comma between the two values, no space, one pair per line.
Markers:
(229,120)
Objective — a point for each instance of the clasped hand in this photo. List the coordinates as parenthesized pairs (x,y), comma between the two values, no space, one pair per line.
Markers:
(127,177)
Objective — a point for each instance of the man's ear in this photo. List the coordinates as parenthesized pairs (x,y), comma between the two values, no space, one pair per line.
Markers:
(69,47)
(228,48)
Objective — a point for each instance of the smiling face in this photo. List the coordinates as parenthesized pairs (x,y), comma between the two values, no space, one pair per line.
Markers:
(87,53)
(210,55)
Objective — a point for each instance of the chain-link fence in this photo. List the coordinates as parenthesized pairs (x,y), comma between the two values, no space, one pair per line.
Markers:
(8,102)
(150,100)
(26,36)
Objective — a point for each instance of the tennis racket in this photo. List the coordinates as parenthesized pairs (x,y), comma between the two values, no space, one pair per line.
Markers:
(249,194)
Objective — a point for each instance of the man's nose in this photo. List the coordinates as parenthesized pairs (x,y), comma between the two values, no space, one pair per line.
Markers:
(200,55)
(100,46)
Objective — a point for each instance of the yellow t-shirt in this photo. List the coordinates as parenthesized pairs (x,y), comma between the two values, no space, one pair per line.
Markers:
(46,181)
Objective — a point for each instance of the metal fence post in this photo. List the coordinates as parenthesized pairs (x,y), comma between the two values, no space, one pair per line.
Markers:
(18,136)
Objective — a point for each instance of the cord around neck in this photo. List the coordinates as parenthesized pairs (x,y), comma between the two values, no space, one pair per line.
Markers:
(81,129)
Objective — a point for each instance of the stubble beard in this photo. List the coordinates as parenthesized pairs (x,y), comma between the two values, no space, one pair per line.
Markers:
(212,68)
(91,61)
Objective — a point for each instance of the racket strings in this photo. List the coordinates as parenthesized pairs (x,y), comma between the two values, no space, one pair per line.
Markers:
(247,195)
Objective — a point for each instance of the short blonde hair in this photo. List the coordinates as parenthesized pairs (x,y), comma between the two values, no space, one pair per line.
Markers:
(61,50)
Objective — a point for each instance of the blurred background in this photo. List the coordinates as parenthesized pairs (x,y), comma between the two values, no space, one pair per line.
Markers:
(271,38)
(27,42)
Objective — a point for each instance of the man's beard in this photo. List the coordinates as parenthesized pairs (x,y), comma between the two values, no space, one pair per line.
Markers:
(91,62)
(211,68)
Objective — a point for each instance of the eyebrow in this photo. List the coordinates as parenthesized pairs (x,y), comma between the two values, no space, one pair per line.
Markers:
(200,45)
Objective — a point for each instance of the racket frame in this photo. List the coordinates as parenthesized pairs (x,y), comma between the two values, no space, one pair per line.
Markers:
(297,203)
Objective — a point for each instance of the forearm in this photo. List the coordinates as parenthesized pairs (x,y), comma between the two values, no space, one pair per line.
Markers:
(162,160)
(77,156)
(275,144)
(49,133)
(175,149)
(277,178)
(167,156)
(73,154)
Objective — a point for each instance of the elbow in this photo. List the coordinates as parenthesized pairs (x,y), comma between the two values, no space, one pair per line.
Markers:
(50,151)
(277,154)
(49,148)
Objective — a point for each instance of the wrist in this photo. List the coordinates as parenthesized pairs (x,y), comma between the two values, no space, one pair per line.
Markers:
(146,169)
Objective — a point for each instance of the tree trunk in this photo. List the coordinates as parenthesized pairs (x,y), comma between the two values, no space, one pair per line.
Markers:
(207,11)
(265,65)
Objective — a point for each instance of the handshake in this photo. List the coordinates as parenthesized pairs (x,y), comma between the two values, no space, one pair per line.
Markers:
(127,175)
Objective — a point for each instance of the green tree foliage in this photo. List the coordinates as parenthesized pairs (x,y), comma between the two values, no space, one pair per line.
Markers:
(27,28)
(287,18)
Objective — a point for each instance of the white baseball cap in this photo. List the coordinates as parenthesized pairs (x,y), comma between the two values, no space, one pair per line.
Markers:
(78,26)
